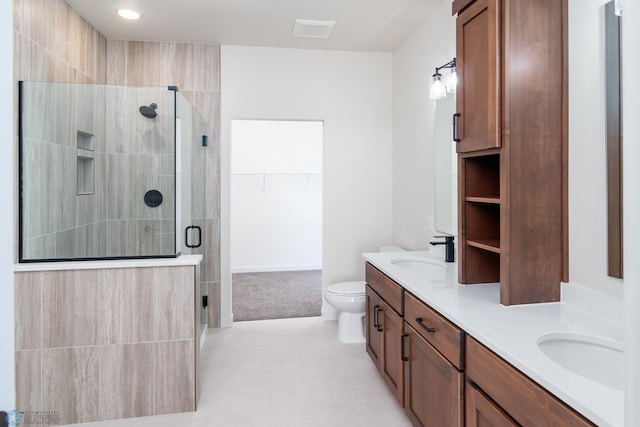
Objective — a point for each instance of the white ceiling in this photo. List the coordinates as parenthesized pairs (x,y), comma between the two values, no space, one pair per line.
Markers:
(361,25)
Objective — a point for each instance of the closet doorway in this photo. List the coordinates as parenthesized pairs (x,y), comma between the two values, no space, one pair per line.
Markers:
(276,218)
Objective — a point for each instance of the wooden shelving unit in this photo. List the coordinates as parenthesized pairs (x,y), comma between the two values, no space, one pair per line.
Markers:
(512,152)
(480,218)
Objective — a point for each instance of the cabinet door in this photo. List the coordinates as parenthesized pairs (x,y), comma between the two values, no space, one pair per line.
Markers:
(391,365)
(433,386)
(483,412)
(373,330)
(478,71)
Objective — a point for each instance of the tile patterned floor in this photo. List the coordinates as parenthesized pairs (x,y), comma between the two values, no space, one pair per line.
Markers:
(282,373)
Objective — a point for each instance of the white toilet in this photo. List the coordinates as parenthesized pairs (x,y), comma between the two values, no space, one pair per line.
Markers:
(349,299)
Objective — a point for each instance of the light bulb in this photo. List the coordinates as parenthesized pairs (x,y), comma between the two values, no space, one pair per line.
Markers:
(452,81)
(437,87)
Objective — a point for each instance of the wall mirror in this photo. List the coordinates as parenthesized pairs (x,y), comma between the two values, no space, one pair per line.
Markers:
(613,91)
(446,166)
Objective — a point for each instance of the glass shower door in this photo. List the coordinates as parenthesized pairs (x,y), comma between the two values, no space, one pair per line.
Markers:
(191,137)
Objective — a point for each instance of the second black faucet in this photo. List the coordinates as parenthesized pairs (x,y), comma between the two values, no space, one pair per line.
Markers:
(449,254)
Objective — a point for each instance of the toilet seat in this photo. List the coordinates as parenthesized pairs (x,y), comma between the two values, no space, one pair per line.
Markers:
(351,289)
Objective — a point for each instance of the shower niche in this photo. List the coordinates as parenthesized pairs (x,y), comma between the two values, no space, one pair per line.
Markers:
(88,156)
(85,165)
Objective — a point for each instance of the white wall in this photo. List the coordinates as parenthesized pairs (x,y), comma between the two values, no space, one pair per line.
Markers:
(351,93)
(430,46)
(7,384)
(276,195)
(631,131)
(587,149)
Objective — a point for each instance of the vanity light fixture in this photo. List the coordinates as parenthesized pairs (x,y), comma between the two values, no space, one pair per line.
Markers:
(129,14)
(440,85)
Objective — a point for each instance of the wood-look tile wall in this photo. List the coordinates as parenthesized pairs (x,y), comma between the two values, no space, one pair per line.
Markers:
(106,344)
(100,344)
(53,43)
(195,69)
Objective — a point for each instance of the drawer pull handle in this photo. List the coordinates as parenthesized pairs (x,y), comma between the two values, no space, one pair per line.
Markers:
(429,329)
(402,355)
(376,318)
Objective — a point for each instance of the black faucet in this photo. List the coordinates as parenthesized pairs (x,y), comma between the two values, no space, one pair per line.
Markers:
(449,253)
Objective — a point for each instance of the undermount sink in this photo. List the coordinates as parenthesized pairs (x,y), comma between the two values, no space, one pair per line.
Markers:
(434,268)
(595,358)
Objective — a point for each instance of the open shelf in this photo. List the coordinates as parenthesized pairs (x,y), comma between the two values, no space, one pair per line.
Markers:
(480,222)
(489,200)
(492,245)
(482,176)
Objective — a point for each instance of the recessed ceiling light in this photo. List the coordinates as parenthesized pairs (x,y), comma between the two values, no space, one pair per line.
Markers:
(129,14)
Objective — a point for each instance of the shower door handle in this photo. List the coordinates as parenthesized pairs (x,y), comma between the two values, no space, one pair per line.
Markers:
(187,234)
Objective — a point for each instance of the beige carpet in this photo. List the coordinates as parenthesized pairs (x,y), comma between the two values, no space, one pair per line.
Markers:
(276,295)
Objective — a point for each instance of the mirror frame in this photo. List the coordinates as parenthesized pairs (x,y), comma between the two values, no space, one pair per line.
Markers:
(614,140)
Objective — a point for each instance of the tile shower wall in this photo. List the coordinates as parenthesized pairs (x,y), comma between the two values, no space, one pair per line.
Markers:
(140,157)
(195,69)
(71,224)
(53,43)
(136,358)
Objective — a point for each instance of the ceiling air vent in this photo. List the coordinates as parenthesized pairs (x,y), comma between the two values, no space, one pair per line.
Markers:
(312,29)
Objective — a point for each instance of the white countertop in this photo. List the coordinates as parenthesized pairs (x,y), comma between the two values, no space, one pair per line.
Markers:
(512,332)
(182,260)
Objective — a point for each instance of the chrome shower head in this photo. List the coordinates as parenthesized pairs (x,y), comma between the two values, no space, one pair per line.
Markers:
(149,111)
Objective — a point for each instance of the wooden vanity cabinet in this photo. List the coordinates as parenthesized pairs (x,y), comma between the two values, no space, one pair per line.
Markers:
(384,328)
(444,377)
(512,150)
(372,326)
(478,72)
(481,411)
(500,395)
(433,355)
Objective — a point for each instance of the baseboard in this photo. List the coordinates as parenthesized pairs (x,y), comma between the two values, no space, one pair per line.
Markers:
(226,322)
(275,268)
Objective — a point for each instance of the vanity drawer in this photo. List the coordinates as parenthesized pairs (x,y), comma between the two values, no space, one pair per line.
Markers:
(443,335)
(389,290)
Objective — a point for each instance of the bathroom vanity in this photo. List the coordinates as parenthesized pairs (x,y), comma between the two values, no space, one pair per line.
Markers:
(453,355)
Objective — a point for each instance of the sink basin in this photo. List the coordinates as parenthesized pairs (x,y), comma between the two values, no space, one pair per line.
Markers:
(595,358)
(434,268)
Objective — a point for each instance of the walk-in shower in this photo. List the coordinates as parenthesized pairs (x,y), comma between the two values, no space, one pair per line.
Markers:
(98,179)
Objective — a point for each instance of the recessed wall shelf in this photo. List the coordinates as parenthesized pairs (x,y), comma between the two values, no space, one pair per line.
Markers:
(85,162)
(85,141)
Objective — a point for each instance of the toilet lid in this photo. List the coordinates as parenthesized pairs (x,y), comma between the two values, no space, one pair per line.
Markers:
(347,288)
